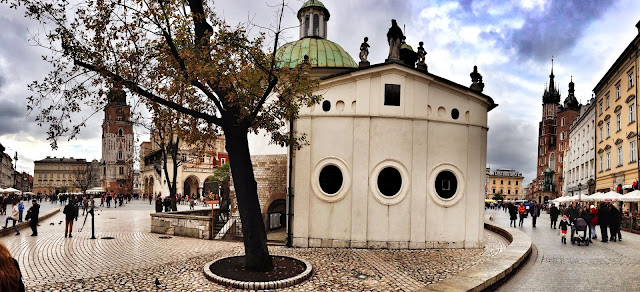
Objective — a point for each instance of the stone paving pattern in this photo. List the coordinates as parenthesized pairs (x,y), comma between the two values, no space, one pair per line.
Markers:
(610,266)
(134,258)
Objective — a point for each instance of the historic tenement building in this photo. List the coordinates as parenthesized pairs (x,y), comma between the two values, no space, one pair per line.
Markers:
(54,175)
(579,171)
(506,182)
(553,139)
(117,144)
(616,121)
(397,155)
(195,167)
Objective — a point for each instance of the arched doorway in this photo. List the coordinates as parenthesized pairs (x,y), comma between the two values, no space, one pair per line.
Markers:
(546,199)
(191,186)
(151,185)
(277,214)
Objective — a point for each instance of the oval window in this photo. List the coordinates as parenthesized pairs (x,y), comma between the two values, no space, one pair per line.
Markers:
(326,105)
(330,179)
(455,113)
(389,181)
(446,184)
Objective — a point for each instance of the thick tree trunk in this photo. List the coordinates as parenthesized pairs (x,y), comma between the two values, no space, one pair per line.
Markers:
(253,232)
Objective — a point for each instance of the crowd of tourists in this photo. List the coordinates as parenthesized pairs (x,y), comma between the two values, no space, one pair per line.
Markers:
(607,216)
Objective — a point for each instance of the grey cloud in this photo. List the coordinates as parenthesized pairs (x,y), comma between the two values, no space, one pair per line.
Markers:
(511,143)
(556,30)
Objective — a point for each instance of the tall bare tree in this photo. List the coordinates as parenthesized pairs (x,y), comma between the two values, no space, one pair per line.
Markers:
(180,55)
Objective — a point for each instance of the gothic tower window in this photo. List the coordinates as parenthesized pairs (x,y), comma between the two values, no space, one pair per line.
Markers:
(552,161)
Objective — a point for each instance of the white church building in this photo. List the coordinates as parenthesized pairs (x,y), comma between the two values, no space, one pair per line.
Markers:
(397,155)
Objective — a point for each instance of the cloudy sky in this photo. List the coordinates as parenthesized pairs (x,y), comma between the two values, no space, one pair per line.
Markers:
(511,42)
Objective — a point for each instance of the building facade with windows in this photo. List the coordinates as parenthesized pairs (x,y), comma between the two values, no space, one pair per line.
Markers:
(579,172)
(195,166)
(553,139)
(6,169)
(54,175)
(117,144)
(508,183)
(617,121)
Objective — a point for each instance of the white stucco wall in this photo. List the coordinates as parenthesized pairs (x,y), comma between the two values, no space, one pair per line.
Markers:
(581,153)
(419,138)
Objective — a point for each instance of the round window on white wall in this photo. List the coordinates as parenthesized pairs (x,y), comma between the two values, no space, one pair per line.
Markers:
(389,182)
(446,185)
(331,179)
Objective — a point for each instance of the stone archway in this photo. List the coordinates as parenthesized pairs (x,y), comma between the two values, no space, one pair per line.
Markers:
(276,214)
(151,182)
(191,186)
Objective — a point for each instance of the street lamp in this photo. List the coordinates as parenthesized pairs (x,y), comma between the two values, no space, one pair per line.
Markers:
(580,193)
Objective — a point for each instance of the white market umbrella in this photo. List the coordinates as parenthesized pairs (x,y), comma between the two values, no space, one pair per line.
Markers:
(631,197)
(11,190)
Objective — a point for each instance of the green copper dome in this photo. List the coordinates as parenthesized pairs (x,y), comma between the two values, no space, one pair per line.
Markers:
(321,52)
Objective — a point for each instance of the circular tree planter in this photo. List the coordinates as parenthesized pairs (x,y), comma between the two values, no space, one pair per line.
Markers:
(229,271)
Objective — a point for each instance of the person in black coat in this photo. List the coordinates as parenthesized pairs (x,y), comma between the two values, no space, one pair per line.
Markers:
(69,214)
(587,216)
(535,213)
(513,214)
(159,205)
(603,220)
(554,212)
(614,221)
(33,214)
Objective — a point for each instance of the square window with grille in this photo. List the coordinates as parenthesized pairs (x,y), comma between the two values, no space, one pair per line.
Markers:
(392,94)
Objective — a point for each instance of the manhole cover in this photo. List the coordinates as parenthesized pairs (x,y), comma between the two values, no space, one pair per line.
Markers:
(164,237)
(108,237)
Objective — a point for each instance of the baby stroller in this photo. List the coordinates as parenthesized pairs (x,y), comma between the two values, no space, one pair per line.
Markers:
(580,225)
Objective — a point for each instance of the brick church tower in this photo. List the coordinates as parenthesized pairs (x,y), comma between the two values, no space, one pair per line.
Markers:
(553,140)
(117,144)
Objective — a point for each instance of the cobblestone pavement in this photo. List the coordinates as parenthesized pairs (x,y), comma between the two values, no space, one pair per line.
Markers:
(134,258)
(610,266)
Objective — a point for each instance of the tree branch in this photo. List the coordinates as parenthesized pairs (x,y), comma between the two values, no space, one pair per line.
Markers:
(152,97)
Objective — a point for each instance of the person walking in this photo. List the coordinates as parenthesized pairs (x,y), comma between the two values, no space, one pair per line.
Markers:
(109,201)
(33,216)
(513,214)
(614,222)
(563,228)
(603,220)
(10,276)
(13,217)
(69,214)
(594,222)
(587,216)
(522,211)
(85,205)
(192,203)
(535,213)
(20,210)
(554,212)
(150,198)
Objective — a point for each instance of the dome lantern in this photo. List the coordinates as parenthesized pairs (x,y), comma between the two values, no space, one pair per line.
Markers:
(313,17)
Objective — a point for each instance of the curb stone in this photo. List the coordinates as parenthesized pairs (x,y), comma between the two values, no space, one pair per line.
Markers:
(484,275)
(259,285)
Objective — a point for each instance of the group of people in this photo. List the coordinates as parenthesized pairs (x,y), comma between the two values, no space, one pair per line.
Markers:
(522,211)
(607,216)
(16,216)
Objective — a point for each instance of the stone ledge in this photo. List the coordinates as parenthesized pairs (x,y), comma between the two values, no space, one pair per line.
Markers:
(493,270)
(259,285)
(25,224)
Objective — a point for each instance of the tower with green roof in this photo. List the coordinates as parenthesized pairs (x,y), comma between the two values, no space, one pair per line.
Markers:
(323,54)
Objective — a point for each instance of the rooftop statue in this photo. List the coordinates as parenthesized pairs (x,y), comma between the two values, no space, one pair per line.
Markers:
(394,37)
(364,50)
